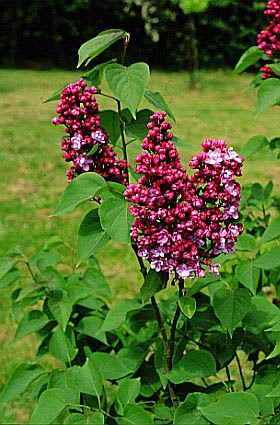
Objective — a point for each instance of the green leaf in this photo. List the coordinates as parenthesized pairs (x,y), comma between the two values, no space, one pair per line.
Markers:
(254,145)
(249,57)
(275,68)
(150,381)
(269,260)
(231,306)
(82,188)
(195,364)
(53,242)
(128,390)
(188,412)
(90,379)
(135,415)
(110,122)
(268,190)
(6,264)
(95,75)
(272,231)
(45,260)
(266,404)
(246,242)
(233,408)
(91,236)
(62,345)
(55,95)
(92,48)
(31,322)
(116,219)
(128,83)
(248,275)
(95,279)
(61,308)
(90,418)
(275,392)
(66,380)
(132,357)
(257,192)
(268,94)
(276,351)
(109,366)
(138,128)
(187,306)
(9,278)
(51,403)
(260,315)
(116,317)
(90,325)
(153,283)
(20,379)
(156,99)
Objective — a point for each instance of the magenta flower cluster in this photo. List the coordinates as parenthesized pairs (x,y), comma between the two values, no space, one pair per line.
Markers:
(269,39)
(183,222)
(87,144)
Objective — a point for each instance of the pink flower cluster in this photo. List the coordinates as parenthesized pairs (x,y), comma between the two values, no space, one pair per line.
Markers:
(183,222)
(269,39)
(87,143)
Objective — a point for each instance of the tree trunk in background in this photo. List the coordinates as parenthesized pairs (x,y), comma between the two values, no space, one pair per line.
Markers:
(192,50)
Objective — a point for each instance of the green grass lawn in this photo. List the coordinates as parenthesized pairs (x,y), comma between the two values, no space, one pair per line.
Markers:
(33,172)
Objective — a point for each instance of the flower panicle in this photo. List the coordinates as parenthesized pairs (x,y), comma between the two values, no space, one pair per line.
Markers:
(183,222)
(87,143)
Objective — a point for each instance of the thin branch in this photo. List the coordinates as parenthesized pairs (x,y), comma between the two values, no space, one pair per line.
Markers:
(240,372)
(125,44)
(161,327)
(173,328)
(124,148)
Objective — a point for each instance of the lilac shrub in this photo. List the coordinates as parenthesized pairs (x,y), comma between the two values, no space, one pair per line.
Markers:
(198,343)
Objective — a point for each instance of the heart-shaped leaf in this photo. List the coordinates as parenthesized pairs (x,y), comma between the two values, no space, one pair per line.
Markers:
(128,83)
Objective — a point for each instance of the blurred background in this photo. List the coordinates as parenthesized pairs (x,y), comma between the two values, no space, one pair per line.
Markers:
(38,55)
(47,34)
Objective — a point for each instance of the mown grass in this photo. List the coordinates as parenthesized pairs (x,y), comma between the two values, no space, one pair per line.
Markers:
(33,173)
